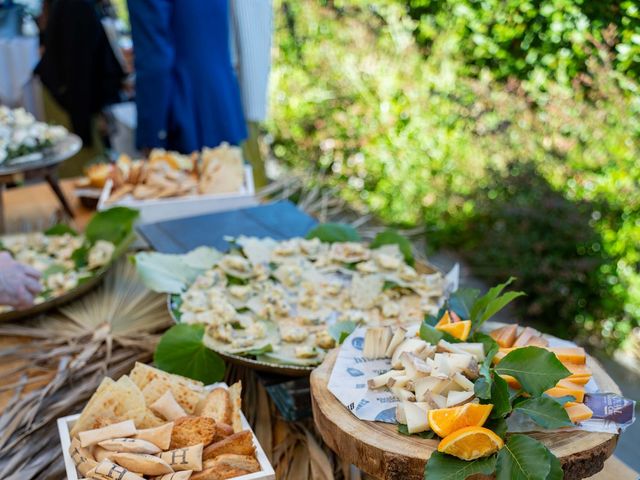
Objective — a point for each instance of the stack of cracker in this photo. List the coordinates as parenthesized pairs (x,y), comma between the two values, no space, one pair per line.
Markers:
(151,424)
(167,174)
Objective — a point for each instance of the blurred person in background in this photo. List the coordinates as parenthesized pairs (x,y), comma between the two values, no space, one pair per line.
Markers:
(81,72)
(187,93)
(18,283)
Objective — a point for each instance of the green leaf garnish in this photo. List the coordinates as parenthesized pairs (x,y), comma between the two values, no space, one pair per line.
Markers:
(113,225)
(497,425)
(231,280)
(555,471)
(536,369)
(523,458)
(80,256)
(175,303)
(491,347)
(259,351)
(53,269)
(388,284)
(545,412)
(404,430)
(446,467)
(433,320)
(181,351)
(561,400)
(432,335)
(499,397)
(60,229)
(391,237)
(491,303)
(482,388)
(167,273)
(339,331)
(462,300)
(334,232)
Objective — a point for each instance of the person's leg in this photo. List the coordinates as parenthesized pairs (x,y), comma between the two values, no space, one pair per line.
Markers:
(251,150)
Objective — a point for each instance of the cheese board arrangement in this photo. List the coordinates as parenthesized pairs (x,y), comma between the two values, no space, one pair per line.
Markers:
(282,305)
(151,424)
(70,263)
(457,396)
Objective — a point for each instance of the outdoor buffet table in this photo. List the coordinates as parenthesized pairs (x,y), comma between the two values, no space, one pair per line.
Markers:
(291,446)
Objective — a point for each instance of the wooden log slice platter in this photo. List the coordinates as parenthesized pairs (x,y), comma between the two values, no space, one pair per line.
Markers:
(379,450)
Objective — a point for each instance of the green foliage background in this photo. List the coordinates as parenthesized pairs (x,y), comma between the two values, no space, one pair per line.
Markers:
(511,129)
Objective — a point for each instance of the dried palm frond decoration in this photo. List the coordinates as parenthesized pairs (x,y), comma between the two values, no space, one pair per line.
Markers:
(51,365)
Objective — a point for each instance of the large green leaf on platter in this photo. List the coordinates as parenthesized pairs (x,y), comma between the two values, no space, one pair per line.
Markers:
(182,351)
(334,232)
(391,237)
(536,369)
(339,331)
(446,467)
(169,273)
(523,458)
(545,411)
(500,397)
(60,229)
(113,225)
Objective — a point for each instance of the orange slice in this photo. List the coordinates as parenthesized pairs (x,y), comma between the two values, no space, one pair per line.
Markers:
(444,320)
(459,330)
(443,421)
(470,443)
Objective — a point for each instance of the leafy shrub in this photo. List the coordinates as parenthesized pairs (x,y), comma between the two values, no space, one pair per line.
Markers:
(533,39)
(541,183)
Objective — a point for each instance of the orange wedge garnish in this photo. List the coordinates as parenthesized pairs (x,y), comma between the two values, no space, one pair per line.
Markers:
(444,320)
(470,443)
(444,421)
(459,330)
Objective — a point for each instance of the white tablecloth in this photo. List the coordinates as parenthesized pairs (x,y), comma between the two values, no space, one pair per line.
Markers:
(18,57)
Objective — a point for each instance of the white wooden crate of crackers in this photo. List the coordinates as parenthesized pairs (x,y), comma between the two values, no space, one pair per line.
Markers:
(151,424)
(171,185)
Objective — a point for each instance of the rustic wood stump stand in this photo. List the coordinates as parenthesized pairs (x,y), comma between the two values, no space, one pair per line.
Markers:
(380,451)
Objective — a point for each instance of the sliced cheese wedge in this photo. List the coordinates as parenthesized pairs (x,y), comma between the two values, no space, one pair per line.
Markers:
(578,412)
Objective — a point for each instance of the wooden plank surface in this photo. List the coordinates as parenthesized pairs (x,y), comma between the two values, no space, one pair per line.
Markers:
(278,220)
(34,207)
(379,450)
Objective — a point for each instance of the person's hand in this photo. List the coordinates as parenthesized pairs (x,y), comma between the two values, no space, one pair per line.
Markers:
(18,283)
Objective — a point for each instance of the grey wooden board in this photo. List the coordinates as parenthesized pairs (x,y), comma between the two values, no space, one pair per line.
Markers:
(278,220)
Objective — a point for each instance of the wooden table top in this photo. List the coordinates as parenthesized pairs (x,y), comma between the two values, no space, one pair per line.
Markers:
(34,207)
